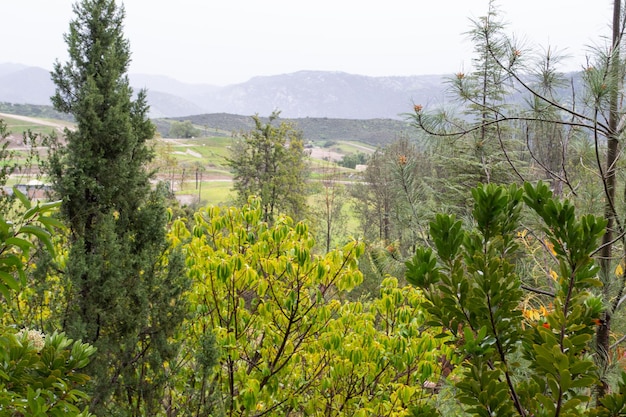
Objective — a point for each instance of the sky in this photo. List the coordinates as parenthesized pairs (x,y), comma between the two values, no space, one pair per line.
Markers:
(223,42)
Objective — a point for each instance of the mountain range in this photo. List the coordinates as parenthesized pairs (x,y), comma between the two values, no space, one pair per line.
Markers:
(296,95)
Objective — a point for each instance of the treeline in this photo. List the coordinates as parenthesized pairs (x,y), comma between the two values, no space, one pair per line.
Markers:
(377,132)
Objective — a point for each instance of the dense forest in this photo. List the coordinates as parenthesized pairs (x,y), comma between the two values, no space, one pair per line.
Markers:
(486,276)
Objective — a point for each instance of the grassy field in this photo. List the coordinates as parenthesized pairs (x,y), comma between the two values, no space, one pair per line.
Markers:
(216,192)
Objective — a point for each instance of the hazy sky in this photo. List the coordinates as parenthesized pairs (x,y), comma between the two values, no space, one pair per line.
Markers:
(229,41)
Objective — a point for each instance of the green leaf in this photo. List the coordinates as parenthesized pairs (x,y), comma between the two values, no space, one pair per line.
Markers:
(51,223)
(22,198)
(10,281)
(23,244)
(41,234)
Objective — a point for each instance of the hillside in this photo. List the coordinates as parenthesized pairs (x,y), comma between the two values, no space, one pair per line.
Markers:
(324,94)
(375,132)
(34,110)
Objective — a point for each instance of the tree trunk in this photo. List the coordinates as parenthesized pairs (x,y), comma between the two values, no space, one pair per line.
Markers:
(603,333)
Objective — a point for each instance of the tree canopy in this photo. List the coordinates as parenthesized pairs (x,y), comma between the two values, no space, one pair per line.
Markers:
(269,161)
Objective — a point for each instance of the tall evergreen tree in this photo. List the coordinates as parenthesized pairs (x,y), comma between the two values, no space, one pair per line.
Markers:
(123,290)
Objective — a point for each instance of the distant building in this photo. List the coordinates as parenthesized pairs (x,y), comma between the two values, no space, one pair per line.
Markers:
(34,190)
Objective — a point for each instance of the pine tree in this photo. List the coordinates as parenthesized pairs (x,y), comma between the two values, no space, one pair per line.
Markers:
(595,122)
(475,147)
(123,290)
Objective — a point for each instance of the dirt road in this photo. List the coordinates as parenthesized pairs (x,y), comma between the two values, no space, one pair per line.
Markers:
(35,121)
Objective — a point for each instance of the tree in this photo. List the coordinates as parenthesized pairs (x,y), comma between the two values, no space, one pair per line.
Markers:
(375,200)
(269,161)
(393,204)
(596,117)
(167,163)
(471,145)
(183,130)
(352,160)
(288,344)
(328,208)
(548,138)
(122,286)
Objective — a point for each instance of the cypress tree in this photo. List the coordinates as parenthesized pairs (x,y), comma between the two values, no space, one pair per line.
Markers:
(122,286)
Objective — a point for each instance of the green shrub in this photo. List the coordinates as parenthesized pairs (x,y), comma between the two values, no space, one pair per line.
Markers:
(38,374)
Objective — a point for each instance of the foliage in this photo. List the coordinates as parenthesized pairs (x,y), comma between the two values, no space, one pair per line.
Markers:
(352,160)
(39,374)
(18,237)
(123,286)
(468,144)
(473,291)
(183,130)
(287,343)
(269,161)
(393,202)
(559,131)
(328,204)
(7,167)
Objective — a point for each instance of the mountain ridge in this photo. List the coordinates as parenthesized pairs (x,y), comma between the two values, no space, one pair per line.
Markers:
(299,94)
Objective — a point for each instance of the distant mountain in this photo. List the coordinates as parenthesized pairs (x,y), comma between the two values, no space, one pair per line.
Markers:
(10,67)
(171,86)
(325,94)
(296,95)
(25,85)
(302,94)
(170,105)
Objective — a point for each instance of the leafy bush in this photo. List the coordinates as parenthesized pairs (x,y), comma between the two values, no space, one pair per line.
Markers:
(352,160)
(183,130)
(288,343)
(514,366)
(38,373)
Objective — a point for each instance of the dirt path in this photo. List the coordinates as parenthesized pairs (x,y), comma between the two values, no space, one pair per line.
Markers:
(369,149)
(34,120)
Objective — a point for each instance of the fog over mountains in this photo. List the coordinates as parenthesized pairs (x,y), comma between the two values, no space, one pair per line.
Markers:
(296,95)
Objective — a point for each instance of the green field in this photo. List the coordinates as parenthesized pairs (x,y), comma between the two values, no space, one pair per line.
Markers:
(217,192)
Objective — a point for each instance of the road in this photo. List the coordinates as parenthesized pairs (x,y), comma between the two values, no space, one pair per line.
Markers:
(35,121)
